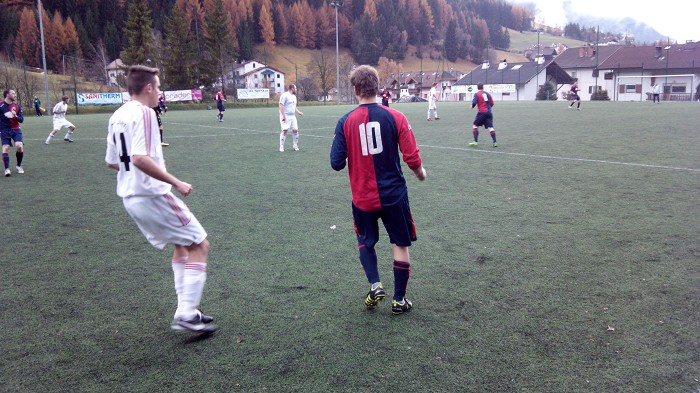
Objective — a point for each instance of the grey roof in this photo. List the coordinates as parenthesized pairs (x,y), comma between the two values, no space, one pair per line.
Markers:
(585,57)
(514,73)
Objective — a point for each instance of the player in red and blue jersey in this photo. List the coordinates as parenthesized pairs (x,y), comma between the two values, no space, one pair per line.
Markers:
(369,140)
(220,99)
(10,118)
(573,93)
(484,117)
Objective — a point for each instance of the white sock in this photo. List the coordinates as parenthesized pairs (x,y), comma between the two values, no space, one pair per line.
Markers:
(48,139)
(195,275)
(69,133)
(178,275)
(282,139)
(295,138)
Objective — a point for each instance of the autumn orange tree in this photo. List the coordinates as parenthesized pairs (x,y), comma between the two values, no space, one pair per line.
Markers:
(27,38)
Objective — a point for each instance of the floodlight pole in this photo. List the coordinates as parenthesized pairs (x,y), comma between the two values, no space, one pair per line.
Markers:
(43,55)
(537,66)
(336,4)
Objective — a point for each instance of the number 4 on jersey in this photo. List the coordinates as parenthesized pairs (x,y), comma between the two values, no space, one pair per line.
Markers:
(371,138)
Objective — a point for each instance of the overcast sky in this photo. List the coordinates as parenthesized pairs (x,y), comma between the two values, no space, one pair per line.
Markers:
(677,19)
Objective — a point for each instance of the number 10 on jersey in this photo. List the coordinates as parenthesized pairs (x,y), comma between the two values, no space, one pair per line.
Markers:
(371,138)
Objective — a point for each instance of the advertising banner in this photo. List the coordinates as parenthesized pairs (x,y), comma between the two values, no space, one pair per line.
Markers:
(99,98)
(471,89)
(120,98)
(253,94)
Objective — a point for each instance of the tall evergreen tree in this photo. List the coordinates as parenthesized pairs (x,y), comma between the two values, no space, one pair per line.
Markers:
(451,43)
(217,40)
(179,52)
(138,34)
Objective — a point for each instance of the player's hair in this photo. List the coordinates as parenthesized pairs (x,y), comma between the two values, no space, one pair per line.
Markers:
(5,93)
(290,86)
(139,76)
(365,80)
(434,84)
(479,86)
(64,98)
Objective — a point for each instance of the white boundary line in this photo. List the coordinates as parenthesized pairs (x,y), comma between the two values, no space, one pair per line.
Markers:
(480,151)
(247,131)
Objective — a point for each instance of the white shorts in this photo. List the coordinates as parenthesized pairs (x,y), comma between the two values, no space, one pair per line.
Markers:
(290,122)
(61,123)
(432,106)
(165,220)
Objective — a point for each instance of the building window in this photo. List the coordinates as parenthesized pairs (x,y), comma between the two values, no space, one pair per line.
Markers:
(608,76)
(573,74)
(256,85)
(674,88)
(278,76)
(630,88)
(278,85)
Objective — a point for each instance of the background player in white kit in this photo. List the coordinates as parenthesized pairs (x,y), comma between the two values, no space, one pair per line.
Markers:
(288,118)
(133,149)
(432,102)
(59,121)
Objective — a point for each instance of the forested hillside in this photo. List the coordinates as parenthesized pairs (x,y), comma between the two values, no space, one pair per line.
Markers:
(200,37)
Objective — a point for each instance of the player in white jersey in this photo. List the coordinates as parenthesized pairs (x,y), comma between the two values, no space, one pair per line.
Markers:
(288,118)
(144,184)
(432,102)
(59,121)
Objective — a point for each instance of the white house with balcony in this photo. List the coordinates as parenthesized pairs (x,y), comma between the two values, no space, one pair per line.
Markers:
(256,75)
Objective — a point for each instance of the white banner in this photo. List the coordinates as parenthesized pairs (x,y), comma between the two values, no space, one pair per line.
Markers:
(99,98)
(470,89)
(178,95)
(120,98)
(253,94)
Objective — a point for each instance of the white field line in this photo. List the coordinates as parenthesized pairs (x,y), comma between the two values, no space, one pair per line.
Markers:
(247,131)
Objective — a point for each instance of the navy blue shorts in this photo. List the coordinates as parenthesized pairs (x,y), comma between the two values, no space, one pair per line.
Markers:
(397,220)
(221,108)
(7,135)
(484,119)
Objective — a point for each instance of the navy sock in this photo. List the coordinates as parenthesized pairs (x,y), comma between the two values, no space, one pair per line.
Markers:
(19,155)
(402,271)
(6,160)
(493,136)
(368,259)
(476,134)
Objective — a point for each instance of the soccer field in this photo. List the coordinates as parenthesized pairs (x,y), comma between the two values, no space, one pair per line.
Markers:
(564,260)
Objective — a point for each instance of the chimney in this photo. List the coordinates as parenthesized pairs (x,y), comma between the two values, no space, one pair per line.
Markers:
(658,52)
(580,52)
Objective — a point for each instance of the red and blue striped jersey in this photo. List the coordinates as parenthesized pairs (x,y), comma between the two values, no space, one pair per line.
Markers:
(483,101)
(370,138)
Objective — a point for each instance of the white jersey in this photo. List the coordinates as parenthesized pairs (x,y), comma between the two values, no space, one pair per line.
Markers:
(431,97)
(289,101)
(61,107)
(133,131)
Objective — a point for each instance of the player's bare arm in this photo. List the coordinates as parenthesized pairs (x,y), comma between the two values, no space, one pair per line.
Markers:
(420,173)
(149,167)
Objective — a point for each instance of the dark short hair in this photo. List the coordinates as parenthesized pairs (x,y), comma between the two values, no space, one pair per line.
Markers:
(365,80)
(5,93)
(290,86)
(64,98)
(480,86)
(139,76)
